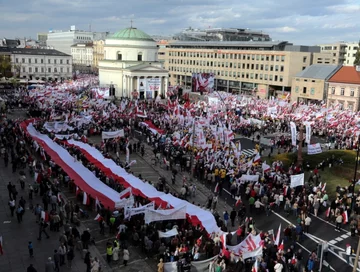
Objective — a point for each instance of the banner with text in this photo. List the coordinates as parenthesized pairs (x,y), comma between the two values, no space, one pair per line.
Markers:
(314,149)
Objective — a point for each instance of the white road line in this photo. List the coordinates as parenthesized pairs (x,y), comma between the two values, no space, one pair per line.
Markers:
(339,239)
(345,236)
(310,237)
(327,222)
(333,242)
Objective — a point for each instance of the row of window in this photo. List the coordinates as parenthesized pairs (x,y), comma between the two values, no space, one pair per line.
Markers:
(42,70)
(239,75)
(342,91)
(83,38)
(248,66)
(239,56)
(120,56)
(42,61)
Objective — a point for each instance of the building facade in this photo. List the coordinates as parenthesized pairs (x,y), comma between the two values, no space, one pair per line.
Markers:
(63,40)
(266,67)
(131,65)
(83,57)
(344,88)
(44,64)
(310,85)
(42,38)
(98,53)
(351,49)
(336,50)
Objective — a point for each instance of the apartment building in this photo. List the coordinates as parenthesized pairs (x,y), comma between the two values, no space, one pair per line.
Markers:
(240,67)
(336,50)
(98,52)
(44,64)
(344,88)
(310,85)
(351,49)
(83,57)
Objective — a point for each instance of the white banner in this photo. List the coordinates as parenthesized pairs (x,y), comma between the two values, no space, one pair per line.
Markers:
(251,254)
(314,149)
(142,209)
(308,132)
(61,137)
(293,133)
(125,202)
(57,126)
(170,233)
(161,215)
(112,134)
(297,180)
(196,266)
(250,178)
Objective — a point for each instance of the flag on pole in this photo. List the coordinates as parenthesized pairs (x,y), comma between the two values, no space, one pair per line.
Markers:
(277,240)
(238,201)
(86,199)
(217,188)
(323,187)
(345,217)
(281,246)
(45,216)
(97,203)
(98,218)
(257,158)
(328,212)
(255,267)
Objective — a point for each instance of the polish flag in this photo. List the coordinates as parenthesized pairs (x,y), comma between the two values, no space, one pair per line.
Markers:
(126,193)
(217,188)
(323,187)
(328,212)
(281,246)
(86,199)
(37,177)
(265,167)
(77,191)
(42,153)
(255,267)
(293,260)
(345,217)
(285,190)
(59,197)
(97,203)
(277,240)
(45,216)
(238,201)
(98,218)
(166,162)
(257,158)
(84,139)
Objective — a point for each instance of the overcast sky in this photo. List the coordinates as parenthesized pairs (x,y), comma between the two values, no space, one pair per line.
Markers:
(301,22)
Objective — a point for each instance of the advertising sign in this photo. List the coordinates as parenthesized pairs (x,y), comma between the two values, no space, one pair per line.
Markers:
(153,84)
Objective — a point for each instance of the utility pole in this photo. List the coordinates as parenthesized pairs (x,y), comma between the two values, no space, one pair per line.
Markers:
(357,256)
(299,155)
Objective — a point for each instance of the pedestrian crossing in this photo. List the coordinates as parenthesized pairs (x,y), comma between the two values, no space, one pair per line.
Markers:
(248,152)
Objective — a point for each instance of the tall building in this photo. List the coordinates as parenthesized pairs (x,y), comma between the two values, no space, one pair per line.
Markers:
(131,65)
(266,67)
(44,64)
(83,57)
(337,50)
(63,40)
(351,49)
(221,34)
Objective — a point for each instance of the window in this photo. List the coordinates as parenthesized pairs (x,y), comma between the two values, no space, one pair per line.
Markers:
(41,61)
(61,61)
(49,61)
(281,68)
(281,79)
(23,60)
(352,92)
(304,90)
(68,70)
(276,78)
(332,90)
(139,57)
(36,70)
(342,91)
(24,70)
(49,70)
(29,60)
(277,58)
(17,60)
(55,70)
(67,62)
(304,59)
(282,58)
(54,61)
(30,70)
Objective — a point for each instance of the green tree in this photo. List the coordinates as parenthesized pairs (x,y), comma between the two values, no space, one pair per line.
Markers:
(357,56)
(5,66)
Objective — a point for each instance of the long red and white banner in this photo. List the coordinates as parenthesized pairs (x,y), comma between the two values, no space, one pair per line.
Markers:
(82,176)
(195,214)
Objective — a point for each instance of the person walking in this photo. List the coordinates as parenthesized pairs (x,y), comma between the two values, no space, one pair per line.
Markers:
(49,265)
(31,249)
(87,261)
(226,218)
(31,268)
(42,229)
(19,213)
(338,221)
(109,252)
(57,260)
(62,251)
(348,251)
(233,217)
(12,205)
(126,256)
(307,223)
(70,256)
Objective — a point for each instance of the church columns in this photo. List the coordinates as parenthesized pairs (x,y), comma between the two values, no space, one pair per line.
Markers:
(127,86)
(166,85)
(131,85)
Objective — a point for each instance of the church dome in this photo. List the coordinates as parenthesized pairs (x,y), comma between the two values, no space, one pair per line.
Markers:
(133,34)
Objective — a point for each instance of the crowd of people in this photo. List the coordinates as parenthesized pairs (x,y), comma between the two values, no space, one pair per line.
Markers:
(212,157)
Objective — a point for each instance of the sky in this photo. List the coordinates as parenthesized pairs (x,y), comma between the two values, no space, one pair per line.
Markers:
(306,22)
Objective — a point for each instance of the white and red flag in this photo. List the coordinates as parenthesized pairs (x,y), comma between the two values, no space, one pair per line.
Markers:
(98,218)
(45,216)
(86,199)
(345,217)
(277,239)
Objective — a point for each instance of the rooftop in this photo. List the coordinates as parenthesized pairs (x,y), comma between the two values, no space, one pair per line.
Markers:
(264,44)
(83,45)
(133,34)
(346,74)
(319,71)
(32,51)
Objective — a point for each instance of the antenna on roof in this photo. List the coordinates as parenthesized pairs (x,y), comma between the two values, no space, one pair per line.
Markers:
(131,23)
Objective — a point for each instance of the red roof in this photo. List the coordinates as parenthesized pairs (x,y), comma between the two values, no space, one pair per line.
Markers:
(346,74)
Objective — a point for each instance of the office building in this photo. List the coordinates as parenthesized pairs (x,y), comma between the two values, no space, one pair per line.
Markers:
(260,68)
(63,40)
(310,85)
(344,88)
(82,57)
(336,50)
(221,34)
(350,54)
(44,64)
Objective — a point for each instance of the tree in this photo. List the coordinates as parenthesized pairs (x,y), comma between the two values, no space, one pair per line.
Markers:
(357,56)
(5,66)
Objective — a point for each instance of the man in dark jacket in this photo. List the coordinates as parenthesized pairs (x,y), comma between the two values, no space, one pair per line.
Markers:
(85,238)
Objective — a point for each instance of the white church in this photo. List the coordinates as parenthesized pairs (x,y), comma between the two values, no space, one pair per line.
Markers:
(131,65)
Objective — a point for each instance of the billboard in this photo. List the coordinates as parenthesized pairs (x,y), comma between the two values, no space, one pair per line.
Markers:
(203,82)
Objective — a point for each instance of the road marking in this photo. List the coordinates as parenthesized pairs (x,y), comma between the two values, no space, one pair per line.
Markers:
(7,222)
(327,222)
(339,239)
(312,238)
(345,236)
(332,242)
